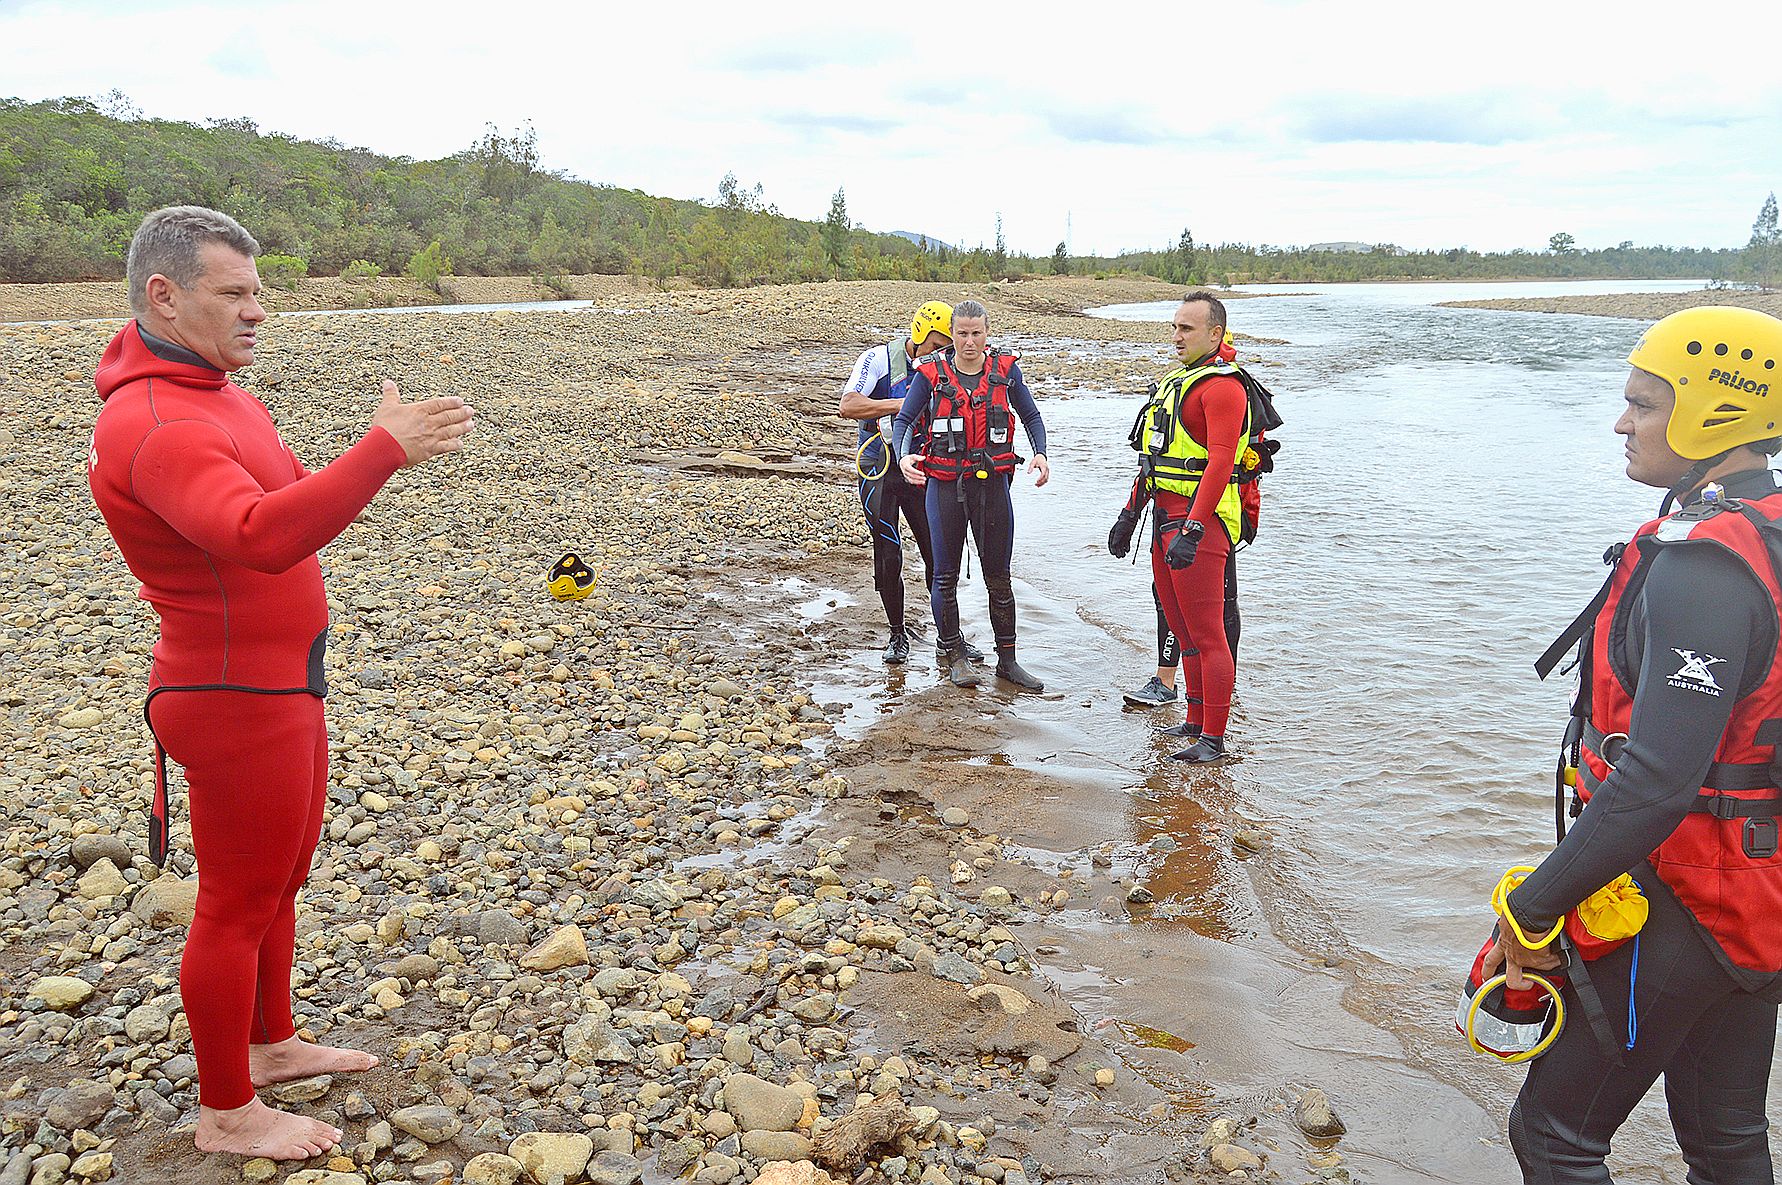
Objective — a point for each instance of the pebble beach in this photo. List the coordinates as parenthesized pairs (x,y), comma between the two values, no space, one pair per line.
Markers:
(600,882)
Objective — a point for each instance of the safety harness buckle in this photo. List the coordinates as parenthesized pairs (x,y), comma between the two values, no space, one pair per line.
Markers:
(1759,838)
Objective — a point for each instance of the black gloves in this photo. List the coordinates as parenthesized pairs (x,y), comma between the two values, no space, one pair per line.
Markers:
(1185,546)
(1120,537)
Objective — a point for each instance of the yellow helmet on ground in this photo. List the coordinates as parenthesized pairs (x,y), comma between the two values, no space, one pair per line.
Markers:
(570,579)
(935,316)
(1721,363)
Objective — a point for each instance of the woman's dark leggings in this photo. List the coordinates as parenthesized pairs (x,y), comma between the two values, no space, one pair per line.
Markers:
(881,499)
(1712,1042)
(985,506)
(1169,651)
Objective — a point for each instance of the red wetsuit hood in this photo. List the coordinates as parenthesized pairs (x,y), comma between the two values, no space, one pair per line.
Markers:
(129,358)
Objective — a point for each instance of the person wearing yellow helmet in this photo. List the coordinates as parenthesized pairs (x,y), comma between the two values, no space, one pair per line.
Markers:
(873,394)
(1671,762)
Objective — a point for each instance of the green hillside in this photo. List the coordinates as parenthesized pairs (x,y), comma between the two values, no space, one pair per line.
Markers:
(75,182)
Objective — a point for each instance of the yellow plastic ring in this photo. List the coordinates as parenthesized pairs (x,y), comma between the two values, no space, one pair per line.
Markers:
(1511,1059)
(1500,902)
(861,452)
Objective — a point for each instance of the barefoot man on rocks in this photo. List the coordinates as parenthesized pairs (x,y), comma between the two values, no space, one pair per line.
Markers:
(221,523)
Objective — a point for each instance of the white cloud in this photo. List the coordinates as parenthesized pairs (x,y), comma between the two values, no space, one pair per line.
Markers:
(1282,122)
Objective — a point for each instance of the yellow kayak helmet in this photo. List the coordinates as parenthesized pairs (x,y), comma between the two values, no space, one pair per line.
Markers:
(935,316)
(570,579)
(1721,363)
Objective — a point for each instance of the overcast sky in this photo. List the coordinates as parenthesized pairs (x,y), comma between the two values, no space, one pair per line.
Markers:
(1288,122)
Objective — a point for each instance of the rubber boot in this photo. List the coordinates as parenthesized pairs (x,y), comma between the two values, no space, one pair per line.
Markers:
(1183,731)
(1205,751)
(1010,670)
(960,670)
(943,656)
(898,649)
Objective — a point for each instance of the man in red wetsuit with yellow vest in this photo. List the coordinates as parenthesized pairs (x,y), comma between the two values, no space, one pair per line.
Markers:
(221,523)
(1189,439)
(1673,742)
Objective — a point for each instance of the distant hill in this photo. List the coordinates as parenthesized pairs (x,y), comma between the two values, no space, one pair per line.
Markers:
(918,238)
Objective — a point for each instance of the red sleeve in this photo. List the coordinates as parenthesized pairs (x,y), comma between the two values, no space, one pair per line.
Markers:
(1223,402)
(187,473)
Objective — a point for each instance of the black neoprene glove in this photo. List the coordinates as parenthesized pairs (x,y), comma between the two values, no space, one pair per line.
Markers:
(1185,546)
(1120,537)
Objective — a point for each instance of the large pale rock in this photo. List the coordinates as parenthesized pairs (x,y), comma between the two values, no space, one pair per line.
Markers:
(552,1158)
(64,993)
(166,901)
(776,1145)
(429,1123)
(145,1023)
(614,1168)
(101,880)
(323,1177)
(92,847)
(565,948)
(757,1105)
(1229,1158)
(793,1172)
(80,1105)
(592,1040)
(1316,1117)
(492,1168)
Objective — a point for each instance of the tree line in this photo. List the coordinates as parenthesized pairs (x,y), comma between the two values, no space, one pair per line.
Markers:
(77,175)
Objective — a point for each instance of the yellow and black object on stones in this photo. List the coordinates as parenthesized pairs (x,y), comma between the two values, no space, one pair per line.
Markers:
(570,578)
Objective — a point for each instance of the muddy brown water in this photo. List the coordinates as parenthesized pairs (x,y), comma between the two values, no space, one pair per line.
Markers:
(1447,485)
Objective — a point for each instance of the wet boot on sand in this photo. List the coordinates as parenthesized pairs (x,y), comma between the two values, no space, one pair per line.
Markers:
(1205,751)
(897,651)
(960,670)
(1013,672)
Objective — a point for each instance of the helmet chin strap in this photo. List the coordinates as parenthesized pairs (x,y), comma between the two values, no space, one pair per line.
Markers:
(1687,483)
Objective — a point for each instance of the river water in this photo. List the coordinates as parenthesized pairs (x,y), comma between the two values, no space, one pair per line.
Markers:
(1447,484)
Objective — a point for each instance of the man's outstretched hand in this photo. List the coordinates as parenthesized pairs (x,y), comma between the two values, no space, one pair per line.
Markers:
(425,429)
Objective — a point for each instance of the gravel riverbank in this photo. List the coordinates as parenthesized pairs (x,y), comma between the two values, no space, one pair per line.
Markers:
(600,882)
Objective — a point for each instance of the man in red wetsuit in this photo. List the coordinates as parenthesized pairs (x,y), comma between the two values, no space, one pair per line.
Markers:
(1189,438)
(221,523)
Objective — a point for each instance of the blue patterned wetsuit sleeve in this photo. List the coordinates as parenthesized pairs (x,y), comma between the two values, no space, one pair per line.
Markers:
(1674,730)
(915,403)
(1021,399)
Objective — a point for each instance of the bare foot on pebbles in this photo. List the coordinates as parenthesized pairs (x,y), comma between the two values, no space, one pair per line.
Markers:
(258,1130)
(296,1058)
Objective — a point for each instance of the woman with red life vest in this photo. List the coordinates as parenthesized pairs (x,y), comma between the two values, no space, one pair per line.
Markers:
(221,523)
(1672,751)
(1189,437)
(968,398)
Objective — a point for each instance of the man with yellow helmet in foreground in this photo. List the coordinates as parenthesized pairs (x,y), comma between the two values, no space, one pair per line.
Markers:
(1672,753)
(874,393)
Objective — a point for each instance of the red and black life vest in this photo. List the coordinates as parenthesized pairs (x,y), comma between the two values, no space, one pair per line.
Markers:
(969,432)
(1722,861)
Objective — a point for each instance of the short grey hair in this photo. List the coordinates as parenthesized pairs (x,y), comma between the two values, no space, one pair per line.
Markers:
(971,308)
(167,244)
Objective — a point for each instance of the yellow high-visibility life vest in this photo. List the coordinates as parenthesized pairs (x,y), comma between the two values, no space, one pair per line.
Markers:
(1172,459)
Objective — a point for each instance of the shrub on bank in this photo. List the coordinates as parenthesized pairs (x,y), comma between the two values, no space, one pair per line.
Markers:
(283,270)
